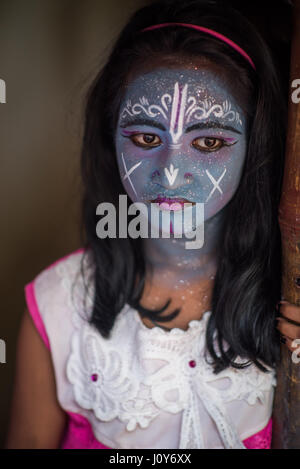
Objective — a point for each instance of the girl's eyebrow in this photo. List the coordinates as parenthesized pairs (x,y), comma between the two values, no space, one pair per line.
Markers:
(212,125)
(200,125)
(139,121)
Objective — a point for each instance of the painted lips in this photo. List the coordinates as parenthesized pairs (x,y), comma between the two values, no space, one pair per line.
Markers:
(174,204)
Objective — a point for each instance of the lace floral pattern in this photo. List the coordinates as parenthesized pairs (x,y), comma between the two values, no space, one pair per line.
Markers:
(140,372)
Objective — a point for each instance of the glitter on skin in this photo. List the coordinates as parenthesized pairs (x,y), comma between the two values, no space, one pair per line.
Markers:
(144,95)
(152,116)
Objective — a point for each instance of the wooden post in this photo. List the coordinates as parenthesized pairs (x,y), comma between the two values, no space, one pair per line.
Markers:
(286,410)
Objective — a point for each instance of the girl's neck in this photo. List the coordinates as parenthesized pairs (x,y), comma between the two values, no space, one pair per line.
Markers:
(182,275)
(169,259)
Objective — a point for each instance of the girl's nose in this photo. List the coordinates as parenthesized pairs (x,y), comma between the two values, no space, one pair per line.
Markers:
(172,176)
(170,172)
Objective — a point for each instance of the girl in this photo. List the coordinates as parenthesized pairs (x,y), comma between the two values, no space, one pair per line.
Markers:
(159,341)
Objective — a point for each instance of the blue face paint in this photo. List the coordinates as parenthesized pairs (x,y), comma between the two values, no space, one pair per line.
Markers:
(181,135)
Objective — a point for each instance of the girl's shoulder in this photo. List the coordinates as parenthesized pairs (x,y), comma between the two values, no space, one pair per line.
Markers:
(57,298)
(51,295)
(66,265)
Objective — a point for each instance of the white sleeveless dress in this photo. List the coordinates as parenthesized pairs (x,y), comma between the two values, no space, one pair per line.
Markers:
(141,387)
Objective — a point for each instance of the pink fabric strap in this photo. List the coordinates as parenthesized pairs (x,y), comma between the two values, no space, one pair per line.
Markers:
(79,434)
(35,313)
(32,304)
(260,440)
(211,32)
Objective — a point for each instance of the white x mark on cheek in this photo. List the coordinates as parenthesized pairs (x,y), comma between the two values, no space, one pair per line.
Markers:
(127,173)
(215,183)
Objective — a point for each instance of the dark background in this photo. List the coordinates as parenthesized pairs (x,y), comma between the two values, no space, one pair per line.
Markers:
(49,52)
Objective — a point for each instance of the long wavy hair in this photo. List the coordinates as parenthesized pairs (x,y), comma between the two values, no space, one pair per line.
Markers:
(247,282)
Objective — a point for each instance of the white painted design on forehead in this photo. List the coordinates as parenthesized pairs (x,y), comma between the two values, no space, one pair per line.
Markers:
(144,106)
(179,114)
(205,108)
(172,174)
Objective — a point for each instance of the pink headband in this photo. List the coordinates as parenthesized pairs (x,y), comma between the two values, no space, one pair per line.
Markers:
(207,31)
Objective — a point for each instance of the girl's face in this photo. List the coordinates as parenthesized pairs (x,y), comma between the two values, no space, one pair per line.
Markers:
(180,137)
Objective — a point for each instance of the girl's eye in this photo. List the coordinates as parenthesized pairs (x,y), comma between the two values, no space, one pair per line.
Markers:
(145,140)
(208,143)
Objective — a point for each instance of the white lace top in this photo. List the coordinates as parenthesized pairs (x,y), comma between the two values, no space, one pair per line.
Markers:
(145,388)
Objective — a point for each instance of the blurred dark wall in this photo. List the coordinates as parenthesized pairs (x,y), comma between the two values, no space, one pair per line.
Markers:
(49,52)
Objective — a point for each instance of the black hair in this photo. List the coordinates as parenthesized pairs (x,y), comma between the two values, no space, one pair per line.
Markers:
(247,282)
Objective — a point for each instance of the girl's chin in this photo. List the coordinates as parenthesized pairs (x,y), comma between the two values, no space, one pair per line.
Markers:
(177,223)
